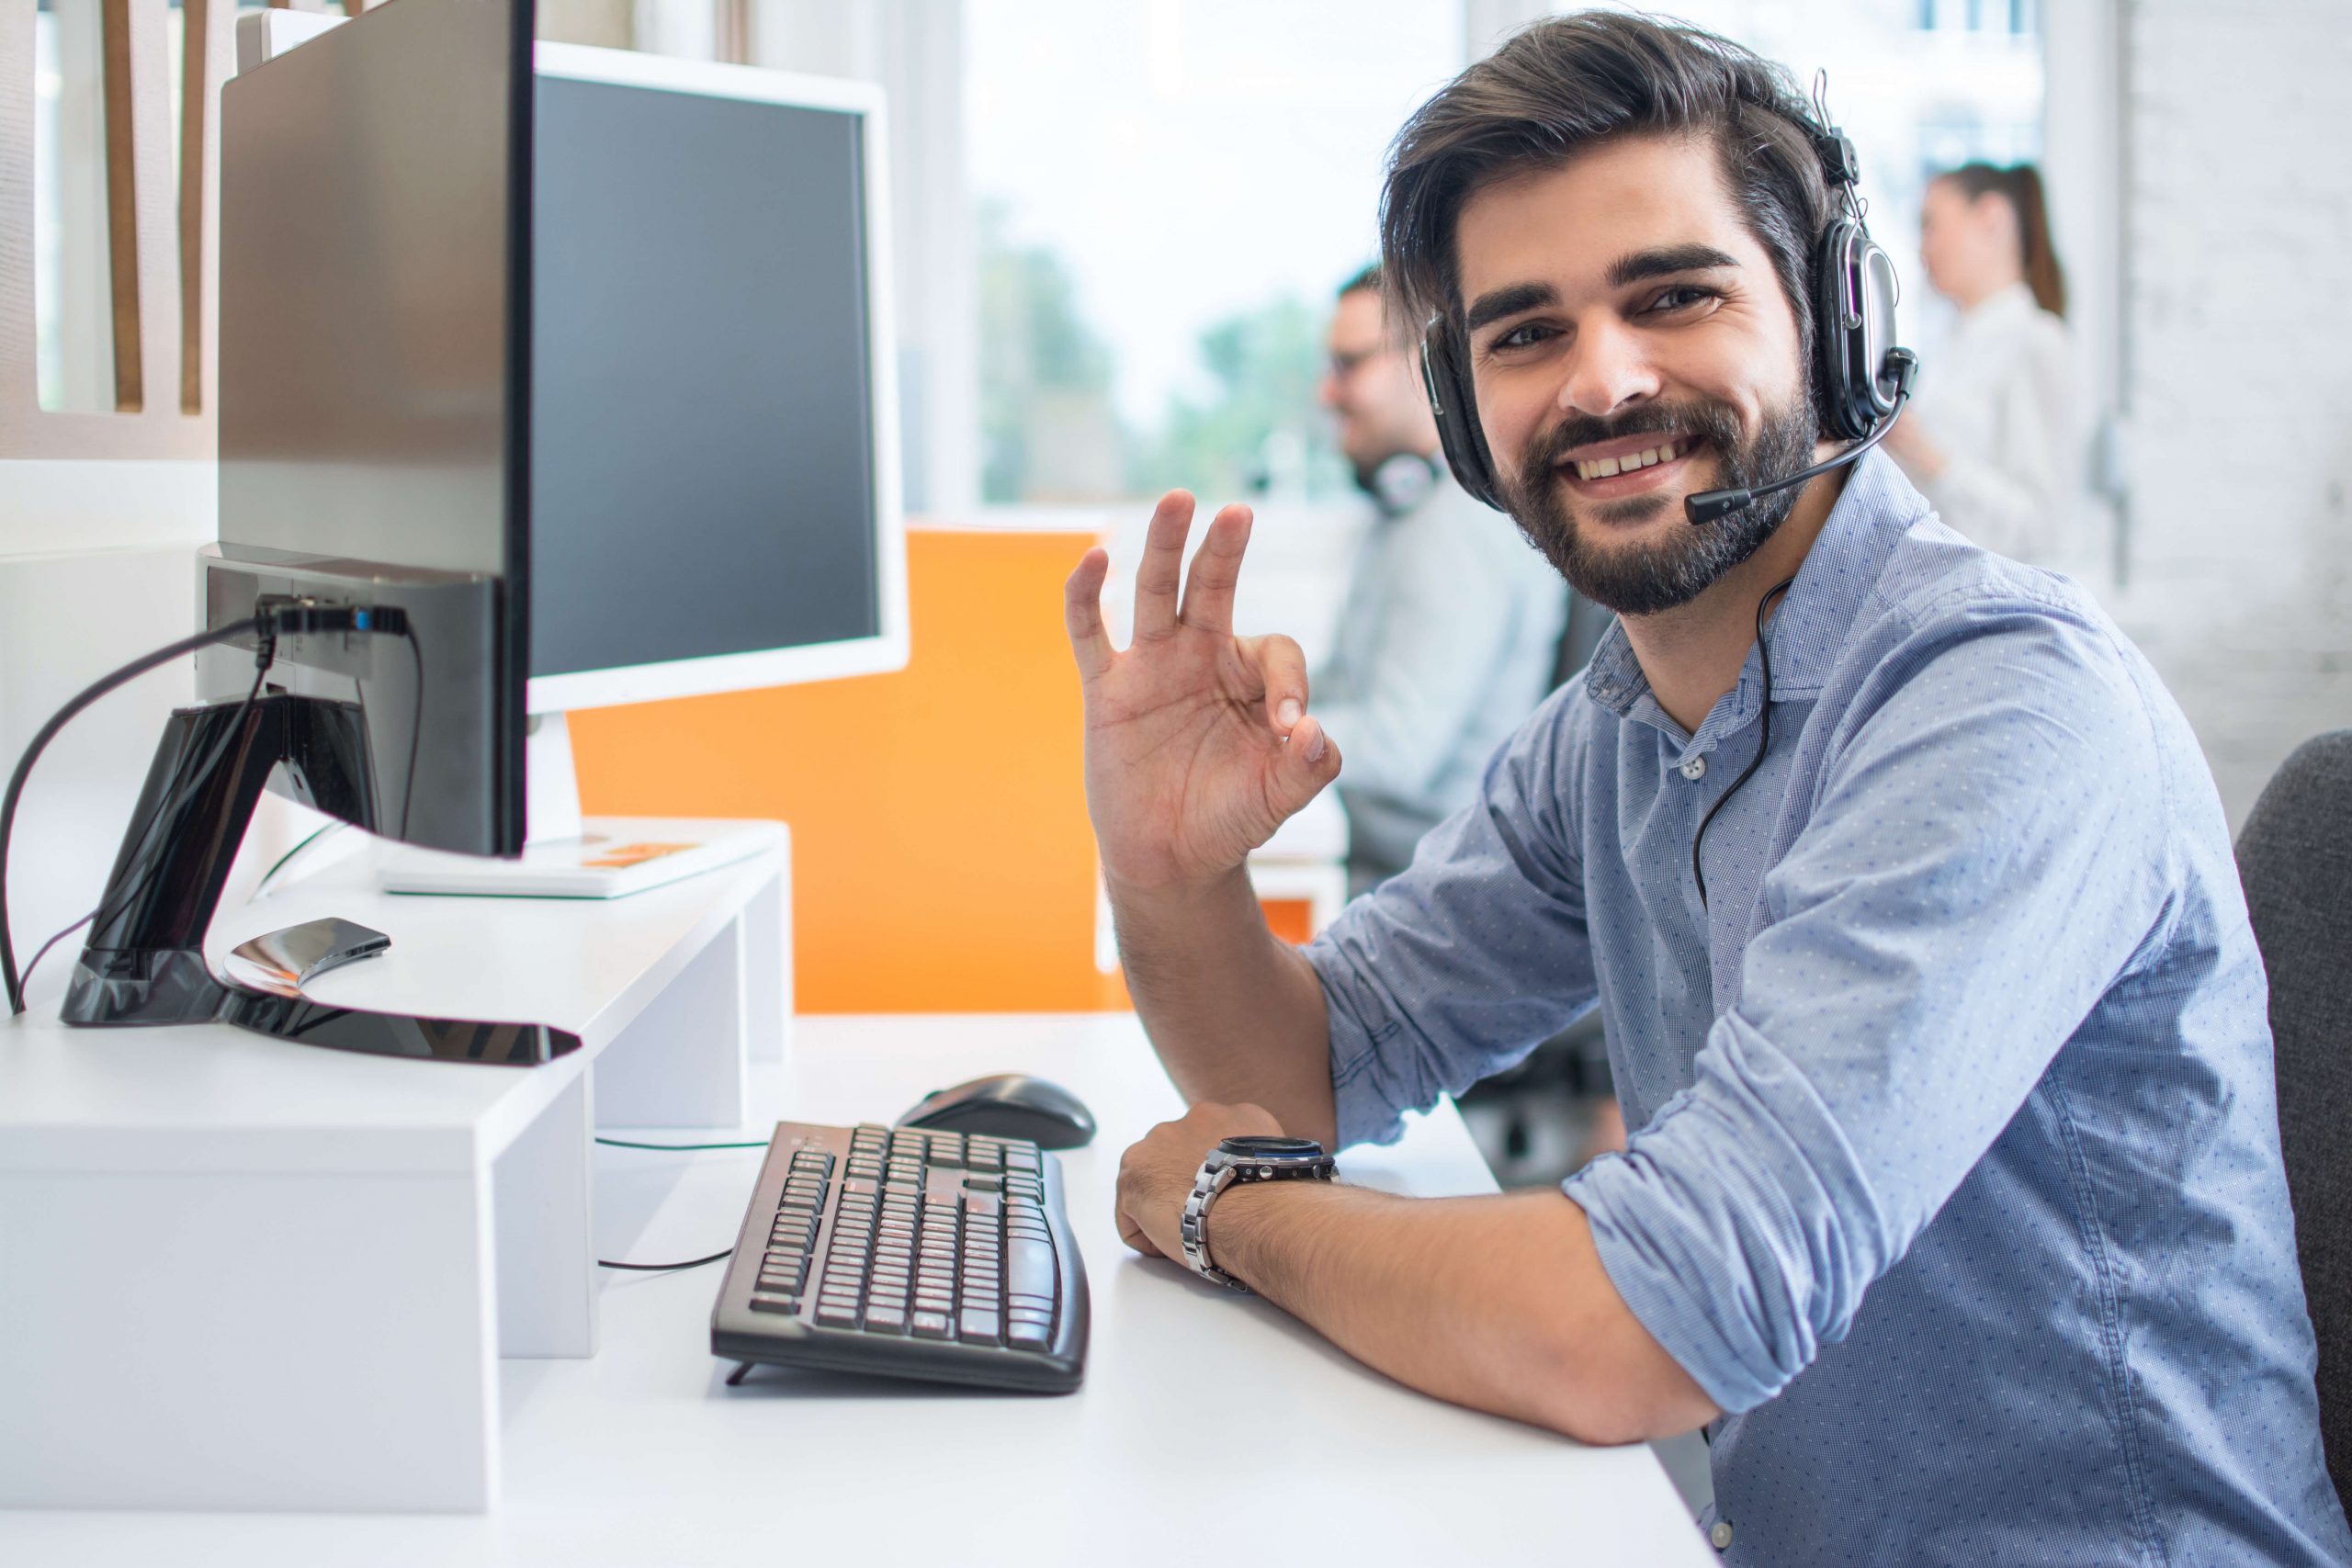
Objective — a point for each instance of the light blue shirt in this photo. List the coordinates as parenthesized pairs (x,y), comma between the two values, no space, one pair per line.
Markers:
(1443,646)
(1957,1179)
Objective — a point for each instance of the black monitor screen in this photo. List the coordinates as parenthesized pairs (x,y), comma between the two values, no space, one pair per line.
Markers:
(702,449)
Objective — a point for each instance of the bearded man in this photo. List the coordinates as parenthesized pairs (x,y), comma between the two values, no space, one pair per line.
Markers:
(1953,1208)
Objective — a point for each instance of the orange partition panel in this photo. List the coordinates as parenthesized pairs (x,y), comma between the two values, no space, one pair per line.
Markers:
(941,857)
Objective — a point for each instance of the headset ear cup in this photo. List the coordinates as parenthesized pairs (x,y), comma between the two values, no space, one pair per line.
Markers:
(1850,354)
(1834,348)
(1453,401)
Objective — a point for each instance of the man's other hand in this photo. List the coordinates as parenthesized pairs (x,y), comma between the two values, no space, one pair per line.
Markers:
(1156,1175)
(1198,743)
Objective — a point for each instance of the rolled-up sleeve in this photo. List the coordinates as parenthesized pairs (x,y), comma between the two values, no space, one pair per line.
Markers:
(1880,1040)
(1473,955)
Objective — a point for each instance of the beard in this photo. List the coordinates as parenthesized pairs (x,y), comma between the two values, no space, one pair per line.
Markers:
(1644,578)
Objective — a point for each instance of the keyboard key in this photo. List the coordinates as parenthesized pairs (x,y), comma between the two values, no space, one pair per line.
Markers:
(836,1315)
(978,1326)
(775,1301)
(980,1207)
(886,1319)
(932,1326)
(984,1184)
(1029,1335)
(1029,1269)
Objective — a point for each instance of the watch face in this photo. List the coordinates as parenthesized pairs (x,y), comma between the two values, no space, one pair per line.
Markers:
(1273,1148)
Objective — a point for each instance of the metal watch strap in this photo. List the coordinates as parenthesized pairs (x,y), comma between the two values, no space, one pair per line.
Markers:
(1215,1175)
(1211,1179)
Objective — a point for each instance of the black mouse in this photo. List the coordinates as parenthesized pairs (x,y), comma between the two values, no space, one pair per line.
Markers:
(1007,1105)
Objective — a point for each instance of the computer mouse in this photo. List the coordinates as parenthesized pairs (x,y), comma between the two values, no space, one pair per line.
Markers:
(1007,1105)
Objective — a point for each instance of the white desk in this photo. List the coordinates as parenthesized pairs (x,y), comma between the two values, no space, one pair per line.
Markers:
(1207,1420)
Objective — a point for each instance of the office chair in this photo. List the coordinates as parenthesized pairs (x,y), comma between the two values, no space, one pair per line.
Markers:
(2295,858)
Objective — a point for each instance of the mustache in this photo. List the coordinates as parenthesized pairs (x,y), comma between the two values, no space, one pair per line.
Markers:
(1712,421)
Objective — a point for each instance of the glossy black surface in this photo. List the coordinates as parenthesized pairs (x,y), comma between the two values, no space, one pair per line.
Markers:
(1007,1105)
(144,960)
(1273,1148)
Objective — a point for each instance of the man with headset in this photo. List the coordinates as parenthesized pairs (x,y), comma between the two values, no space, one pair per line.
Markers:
(1448,632)
(1954,1208)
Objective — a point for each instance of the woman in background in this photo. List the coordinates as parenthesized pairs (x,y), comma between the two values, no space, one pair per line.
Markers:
(1993,441)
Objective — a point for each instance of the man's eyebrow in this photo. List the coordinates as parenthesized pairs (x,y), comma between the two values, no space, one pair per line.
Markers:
(1667,259)
(1513,297)
(1509,301)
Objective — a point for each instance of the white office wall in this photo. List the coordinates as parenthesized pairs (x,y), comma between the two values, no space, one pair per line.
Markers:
(2237,370)
(96,567)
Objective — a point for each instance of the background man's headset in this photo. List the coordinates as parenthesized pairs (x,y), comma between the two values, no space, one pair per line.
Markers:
(1860,380)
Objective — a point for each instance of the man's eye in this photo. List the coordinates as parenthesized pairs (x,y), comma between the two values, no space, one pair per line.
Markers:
(1524,336)
(1681,297)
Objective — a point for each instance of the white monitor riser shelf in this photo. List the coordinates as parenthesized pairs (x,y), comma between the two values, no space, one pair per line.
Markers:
(246,1273)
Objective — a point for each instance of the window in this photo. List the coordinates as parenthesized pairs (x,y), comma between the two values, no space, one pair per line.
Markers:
(1167,193)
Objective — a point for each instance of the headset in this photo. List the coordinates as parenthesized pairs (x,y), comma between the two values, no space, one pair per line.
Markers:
(1860,380)
(1402,482)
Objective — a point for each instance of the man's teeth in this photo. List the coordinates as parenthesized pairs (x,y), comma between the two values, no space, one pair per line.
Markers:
(1626,465)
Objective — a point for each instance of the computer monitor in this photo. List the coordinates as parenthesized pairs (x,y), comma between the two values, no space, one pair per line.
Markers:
(715,493)
(585,375)
(715,469)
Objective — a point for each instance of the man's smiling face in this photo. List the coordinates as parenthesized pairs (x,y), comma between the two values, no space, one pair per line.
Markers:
(1631,346)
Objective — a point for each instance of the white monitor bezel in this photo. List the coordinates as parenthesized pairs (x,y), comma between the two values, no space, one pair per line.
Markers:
(888,648)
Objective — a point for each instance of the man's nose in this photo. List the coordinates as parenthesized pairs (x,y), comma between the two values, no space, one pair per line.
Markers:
(1607,369)
(1327,390)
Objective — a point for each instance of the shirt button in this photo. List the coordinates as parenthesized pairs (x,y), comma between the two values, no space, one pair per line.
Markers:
(1695,769)
(1720,1535)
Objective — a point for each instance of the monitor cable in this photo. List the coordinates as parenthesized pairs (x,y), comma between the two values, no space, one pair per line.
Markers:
(179,794)
(672,1149)
(664,1268)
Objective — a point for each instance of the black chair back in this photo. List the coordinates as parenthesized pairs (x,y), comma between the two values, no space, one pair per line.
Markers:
(2295,858)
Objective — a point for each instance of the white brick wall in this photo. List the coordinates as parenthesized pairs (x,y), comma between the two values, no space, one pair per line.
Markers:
(2238,301)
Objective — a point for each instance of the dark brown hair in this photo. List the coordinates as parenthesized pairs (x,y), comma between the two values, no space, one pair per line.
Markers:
(1566,84)
(2021,188)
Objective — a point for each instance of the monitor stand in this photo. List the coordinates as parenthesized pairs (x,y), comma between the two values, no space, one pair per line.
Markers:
(144,960)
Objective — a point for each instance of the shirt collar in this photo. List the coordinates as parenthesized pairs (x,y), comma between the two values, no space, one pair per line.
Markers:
(1808,631)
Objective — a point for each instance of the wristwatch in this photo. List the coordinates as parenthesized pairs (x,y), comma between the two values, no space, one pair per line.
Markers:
(1244,1159)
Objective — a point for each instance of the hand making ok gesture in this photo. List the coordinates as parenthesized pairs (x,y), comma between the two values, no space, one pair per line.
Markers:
(1198,742)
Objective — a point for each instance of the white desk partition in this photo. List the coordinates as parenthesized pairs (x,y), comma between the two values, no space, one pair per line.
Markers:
(1210,1424)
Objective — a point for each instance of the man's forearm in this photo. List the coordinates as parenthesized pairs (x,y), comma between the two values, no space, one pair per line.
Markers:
(1500,1304)
(1236,1014)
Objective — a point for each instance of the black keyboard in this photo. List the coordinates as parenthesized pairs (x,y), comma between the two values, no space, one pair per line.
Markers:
(913,1254)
